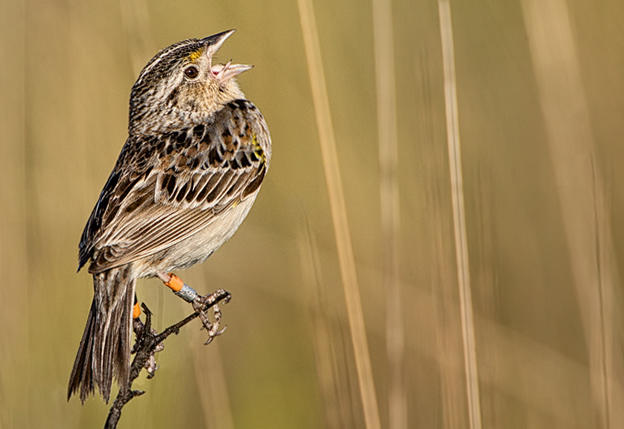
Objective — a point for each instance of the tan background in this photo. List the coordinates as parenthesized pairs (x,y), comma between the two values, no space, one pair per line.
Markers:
(286,360)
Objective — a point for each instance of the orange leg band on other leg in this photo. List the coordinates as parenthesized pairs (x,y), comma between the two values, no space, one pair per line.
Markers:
(136,310)
(175,283)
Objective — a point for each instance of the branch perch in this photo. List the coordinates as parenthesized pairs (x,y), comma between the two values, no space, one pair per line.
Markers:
(149,341)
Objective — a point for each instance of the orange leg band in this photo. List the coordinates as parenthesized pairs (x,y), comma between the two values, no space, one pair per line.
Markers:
(175,283)
(136,310)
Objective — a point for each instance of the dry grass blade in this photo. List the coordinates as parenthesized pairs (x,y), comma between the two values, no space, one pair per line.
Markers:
(459,217)
(389,204)
(210,378)
(582,197)
(330,359)
(212,385)
(339,215)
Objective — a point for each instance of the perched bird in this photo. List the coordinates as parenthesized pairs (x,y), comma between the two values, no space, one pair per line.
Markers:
(196,154)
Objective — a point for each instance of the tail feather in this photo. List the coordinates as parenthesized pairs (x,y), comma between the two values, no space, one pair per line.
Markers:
(104,350)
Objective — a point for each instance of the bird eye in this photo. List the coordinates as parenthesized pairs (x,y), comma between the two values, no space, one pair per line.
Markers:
(191,72)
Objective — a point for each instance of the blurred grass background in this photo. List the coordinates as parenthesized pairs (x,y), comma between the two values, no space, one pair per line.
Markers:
(548,333)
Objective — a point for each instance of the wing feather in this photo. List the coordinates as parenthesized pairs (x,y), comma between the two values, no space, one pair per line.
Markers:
(165,189)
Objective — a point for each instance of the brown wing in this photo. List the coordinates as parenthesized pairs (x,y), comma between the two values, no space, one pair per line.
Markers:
(166,189)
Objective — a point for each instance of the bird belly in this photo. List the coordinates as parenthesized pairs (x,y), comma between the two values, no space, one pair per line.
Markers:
(199,246)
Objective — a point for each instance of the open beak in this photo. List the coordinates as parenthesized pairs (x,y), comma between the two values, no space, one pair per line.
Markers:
(215,41)
(229,70)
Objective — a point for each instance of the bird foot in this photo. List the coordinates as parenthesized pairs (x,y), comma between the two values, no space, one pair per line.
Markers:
(202,305)
(151,366)
(142,336)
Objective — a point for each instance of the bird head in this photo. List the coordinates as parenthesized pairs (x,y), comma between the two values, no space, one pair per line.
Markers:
(181,86)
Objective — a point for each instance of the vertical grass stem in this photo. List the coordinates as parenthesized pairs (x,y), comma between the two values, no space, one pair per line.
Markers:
(459,216)
(339,215)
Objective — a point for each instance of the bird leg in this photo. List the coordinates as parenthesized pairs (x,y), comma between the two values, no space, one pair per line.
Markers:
(139,330)
(199,302)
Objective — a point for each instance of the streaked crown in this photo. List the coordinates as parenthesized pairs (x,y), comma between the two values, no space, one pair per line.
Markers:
(181,86)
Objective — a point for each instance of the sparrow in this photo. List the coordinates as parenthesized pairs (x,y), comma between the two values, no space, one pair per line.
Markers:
(196,155)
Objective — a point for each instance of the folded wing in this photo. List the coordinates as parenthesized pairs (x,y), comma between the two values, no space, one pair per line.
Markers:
(174,185)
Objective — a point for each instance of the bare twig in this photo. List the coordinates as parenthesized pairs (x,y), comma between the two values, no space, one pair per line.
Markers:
(147,342)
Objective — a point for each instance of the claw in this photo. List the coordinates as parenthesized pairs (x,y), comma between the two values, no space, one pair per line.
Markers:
(212,327)
(139,329)
(151,366)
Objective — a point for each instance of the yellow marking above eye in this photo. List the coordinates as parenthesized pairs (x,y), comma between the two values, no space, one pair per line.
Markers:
(194,55)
